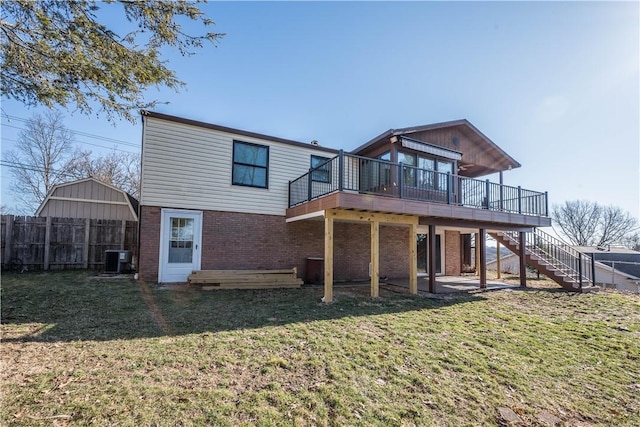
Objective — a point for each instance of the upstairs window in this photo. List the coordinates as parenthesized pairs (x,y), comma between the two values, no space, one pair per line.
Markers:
(250,164)
(323,173)
(409,172)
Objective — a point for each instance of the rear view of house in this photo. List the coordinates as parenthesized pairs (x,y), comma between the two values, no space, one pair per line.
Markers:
(213,197)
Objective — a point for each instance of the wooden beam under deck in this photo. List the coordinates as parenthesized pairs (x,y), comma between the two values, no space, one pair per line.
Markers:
(328,259)
(375,259)
(365,216)
(374,218)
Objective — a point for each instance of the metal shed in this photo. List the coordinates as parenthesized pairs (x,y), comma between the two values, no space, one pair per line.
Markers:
(89,198)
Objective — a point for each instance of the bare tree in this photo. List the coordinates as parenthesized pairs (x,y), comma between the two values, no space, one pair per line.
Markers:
(632,241)
(118,168)
(44,156)
(615,225)
(587,223)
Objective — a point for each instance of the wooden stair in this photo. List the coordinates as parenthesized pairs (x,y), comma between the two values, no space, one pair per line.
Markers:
(556,260)
(245,279)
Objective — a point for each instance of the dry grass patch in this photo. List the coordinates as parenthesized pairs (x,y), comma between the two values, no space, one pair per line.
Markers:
(78,351)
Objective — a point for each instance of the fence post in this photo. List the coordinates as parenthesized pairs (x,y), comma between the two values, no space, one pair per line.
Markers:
(8,239)
(340,170)
(593,270)
(85,250)
(289,196)
(519,199)
(123,231)
(47,244)
(448,188)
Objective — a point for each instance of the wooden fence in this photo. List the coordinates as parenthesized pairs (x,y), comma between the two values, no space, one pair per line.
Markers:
(64,243)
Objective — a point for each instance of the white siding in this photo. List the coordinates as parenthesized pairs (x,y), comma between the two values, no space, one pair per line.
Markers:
(185,166)
(619,280)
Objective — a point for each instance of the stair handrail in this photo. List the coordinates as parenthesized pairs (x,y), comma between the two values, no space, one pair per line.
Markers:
(560,254)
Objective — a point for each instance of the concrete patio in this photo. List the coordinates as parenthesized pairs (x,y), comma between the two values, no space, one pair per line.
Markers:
(449,284)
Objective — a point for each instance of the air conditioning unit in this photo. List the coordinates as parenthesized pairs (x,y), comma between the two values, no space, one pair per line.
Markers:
(117,261)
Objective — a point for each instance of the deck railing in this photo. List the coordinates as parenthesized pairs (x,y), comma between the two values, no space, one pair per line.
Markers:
(347,172)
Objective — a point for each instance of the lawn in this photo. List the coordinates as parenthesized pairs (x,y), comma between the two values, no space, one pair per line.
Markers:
(80,350)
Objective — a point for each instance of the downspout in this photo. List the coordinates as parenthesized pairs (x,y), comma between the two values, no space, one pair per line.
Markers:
(143,114)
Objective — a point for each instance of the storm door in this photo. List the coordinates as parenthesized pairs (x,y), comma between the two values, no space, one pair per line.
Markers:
(180,244)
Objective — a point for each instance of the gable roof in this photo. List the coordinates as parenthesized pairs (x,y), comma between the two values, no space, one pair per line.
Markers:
(132,201)
(161,116)
(463,126)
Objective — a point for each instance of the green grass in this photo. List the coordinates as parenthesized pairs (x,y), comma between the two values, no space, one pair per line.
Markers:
(79,350)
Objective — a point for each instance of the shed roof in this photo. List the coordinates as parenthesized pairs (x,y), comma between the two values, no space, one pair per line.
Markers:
(132,202)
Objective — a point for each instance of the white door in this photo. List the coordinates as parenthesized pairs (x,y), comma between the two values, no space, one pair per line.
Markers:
(180,244)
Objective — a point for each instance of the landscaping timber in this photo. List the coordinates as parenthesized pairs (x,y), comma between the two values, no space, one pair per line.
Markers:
(245,279)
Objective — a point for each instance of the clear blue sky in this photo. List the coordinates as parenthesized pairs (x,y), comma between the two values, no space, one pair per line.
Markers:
(556,85)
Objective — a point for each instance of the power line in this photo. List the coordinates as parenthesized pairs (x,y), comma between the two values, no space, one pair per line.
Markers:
(86,143)
(22,166)
(79,142)
(76,133)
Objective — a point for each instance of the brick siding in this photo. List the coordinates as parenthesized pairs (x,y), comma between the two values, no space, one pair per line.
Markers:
(250,241)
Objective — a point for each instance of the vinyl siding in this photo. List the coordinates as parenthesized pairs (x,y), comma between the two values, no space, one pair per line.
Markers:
(185,166)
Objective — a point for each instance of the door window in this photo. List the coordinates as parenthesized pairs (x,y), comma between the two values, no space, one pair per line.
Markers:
(181,241)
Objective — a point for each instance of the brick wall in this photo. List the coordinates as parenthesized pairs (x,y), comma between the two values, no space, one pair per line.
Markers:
(452,253)
(250,241)
(149,243)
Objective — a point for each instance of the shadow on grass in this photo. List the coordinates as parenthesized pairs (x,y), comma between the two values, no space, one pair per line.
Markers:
(76,305)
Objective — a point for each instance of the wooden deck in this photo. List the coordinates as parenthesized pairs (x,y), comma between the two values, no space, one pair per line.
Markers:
(431,210)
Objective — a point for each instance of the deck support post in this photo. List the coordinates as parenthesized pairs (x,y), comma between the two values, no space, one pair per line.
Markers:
(375,259)
(483,258)
(498,260)
(413,260)
(522,241)
(477,253)
(328,257)
(431,243)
